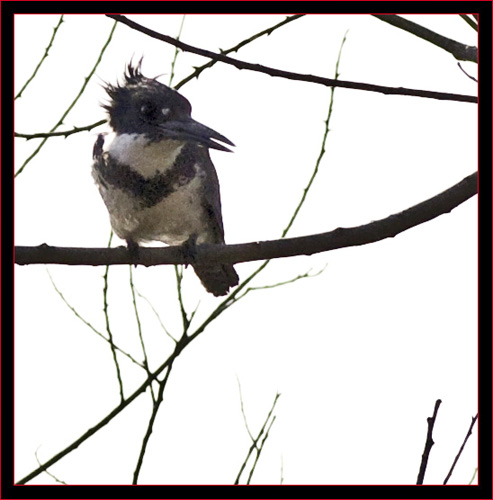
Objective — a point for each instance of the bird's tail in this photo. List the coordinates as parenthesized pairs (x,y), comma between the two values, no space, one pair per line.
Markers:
(217,279)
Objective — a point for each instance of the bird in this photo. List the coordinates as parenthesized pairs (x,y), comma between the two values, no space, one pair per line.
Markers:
(155,174)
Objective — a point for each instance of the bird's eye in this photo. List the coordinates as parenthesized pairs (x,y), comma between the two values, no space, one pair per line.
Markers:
(165,112)
(148,111)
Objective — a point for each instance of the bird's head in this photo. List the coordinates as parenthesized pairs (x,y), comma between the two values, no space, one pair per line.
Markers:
(144,106)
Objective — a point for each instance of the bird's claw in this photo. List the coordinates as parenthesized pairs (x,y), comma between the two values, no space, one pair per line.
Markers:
(189,250)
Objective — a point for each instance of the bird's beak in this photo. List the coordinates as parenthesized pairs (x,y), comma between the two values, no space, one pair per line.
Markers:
(191,130)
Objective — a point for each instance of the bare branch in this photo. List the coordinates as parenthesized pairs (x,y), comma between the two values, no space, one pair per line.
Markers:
(254,445)
(108,328)
(150,425)
(474,475)
(45,55)
(429,443)
(175,56)
(259,449)
(467,74)
(243,410)
(286,282)
(139,329)
(66,133)
(293,76)
(458,50)
(247,252)
(469,432)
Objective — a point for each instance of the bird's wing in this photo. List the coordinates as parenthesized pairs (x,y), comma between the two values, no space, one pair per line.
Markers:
(212,197)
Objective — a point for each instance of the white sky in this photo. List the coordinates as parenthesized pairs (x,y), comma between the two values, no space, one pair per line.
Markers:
(360,353)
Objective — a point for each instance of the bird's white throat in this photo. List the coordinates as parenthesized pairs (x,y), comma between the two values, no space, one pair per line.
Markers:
(146,157)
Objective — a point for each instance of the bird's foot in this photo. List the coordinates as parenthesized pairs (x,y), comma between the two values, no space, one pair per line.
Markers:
(133,250)
(189,250)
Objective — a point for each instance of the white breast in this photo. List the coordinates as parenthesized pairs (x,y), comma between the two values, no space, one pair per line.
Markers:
(131,149)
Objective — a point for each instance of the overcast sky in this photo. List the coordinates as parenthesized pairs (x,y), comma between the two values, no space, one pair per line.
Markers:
(359,353)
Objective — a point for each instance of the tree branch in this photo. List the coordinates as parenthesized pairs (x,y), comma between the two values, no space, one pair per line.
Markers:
(288,247)
(429,443)
(66,133)
(289,75)
(254,445)
(469,432)
(150,425)
(458,50)
(45,55)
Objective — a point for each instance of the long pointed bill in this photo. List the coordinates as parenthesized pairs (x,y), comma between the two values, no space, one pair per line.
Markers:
(191,130)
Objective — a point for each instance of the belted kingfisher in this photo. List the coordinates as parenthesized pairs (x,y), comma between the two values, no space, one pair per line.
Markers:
(156,176)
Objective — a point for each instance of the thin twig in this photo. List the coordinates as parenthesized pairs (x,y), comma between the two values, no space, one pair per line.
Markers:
(286,282)
(428,444)
(139,328)
(175,57)
(108,329)
(259,450)
(469,432)
(150,425)
(66,133)
(45,55)
(467,74)
(255,441)
(243,410)
(474,475)
(184,316)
